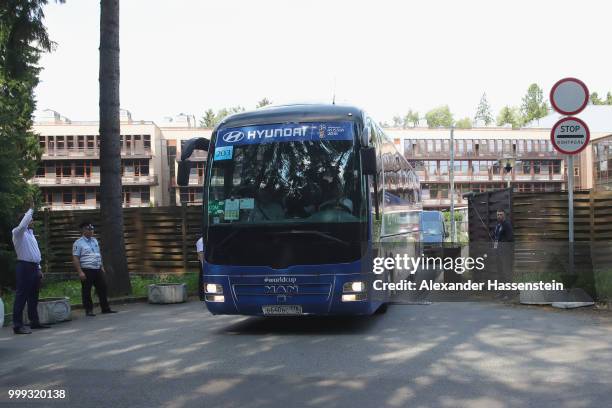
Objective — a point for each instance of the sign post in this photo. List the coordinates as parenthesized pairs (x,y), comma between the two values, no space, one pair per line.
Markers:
(570,135)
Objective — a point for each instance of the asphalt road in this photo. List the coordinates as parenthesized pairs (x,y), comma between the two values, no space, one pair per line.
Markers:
(439,355)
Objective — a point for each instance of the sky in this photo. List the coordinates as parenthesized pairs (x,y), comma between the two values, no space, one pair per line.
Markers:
(185,56)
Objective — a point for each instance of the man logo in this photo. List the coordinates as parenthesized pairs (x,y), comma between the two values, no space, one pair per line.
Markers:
(233,137)
(281,289)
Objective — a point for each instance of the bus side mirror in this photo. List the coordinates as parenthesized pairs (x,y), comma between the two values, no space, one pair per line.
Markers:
(184,168)
(368,160)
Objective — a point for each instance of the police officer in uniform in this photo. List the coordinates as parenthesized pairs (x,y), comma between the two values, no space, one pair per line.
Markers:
(28,272)
(88,263)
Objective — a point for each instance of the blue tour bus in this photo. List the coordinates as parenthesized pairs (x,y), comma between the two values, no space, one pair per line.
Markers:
(296,201)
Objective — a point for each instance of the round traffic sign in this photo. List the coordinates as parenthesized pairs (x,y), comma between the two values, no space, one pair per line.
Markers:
(569,96)
(570,135)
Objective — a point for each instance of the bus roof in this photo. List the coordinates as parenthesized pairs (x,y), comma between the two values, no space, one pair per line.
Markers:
(294,113)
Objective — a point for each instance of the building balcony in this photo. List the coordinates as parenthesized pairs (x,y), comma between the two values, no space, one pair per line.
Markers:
(63,154)
(443,202)
(482,155)
(424,177)
(87,206)
(150,179)
(67,207)
(92,181)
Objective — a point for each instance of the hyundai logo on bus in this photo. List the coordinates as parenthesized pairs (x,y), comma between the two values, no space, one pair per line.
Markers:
(233,137)
(236,136)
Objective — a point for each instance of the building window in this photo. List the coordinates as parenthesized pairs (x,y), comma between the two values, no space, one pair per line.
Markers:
(526,167)
(146,140)
(443,167)
(67,196)
(438,144)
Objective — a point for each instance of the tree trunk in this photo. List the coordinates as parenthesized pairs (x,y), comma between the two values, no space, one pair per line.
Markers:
(113,246)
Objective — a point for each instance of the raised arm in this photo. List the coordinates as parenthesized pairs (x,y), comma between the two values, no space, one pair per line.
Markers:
(25,221)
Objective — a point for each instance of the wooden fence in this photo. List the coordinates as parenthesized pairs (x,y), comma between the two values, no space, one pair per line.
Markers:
(157,240)
(541,234)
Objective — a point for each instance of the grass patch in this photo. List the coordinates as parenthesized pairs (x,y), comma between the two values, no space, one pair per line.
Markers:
(72,288)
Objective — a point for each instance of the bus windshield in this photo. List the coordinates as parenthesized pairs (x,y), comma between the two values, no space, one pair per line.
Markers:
(285,173)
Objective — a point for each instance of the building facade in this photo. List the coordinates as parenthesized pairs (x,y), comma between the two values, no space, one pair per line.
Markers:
(69,172)
(602,164)
(477,161)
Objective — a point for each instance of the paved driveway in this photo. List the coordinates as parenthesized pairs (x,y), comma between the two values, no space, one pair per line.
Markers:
(443,355)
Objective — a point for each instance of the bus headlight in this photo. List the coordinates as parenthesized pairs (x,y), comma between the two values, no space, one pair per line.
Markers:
(215,298)
(213,288)
(354,287)
(353,297)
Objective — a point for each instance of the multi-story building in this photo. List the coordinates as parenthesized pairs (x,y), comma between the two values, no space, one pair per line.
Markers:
(477,155)
(602,163)
(69,173)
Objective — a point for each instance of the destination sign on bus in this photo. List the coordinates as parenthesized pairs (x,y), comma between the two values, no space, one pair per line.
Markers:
(287,132)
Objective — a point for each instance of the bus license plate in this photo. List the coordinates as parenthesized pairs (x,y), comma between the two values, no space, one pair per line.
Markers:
(282,310)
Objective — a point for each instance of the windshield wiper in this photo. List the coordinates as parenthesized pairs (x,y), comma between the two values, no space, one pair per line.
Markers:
(312,232)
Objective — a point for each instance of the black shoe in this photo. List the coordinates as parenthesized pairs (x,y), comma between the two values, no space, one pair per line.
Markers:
(90,314)
(109,311)
(22,330)
(39,326)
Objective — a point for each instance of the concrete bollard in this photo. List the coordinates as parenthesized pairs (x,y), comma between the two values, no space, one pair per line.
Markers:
(1,313)
(51,310)
(165,293)
(540,297)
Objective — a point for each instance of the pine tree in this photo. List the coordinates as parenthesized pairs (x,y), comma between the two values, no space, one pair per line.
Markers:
(483,112)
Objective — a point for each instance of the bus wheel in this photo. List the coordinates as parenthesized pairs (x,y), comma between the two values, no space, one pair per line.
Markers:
(382,309)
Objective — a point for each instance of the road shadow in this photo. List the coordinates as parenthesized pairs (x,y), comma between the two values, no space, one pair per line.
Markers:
(306,325)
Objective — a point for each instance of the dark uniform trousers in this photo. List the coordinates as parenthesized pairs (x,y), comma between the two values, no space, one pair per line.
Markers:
(28,284)
(94,278)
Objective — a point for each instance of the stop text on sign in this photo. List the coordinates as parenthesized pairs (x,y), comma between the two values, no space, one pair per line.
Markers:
(570,135)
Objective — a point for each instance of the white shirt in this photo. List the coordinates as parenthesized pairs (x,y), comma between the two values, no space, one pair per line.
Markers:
(200,245)
(88,252)
(24,240)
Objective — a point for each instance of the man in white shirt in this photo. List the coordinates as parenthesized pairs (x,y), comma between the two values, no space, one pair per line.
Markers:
(28,273)
(87,261)
(200,251)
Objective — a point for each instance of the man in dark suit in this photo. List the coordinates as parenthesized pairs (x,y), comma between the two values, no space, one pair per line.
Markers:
(503,229)
(503,243)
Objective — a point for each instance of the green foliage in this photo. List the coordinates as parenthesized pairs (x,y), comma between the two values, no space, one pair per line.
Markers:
(511,116)
(534,106)
(483,112)
(397,122)
(439,117)
(595,99)
(23,37)
(72,288)
(412,118)
(210,119)
(465,123)
(263,102)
